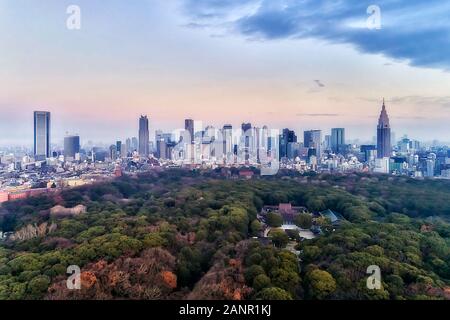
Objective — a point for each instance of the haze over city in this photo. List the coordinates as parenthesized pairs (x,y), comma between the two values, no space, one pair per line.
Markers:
(223,62)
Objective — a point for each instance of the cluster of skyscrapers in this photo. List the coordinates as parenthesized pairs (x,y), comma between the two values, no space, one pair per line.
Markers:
(42,142)
(250,145)
(253,145)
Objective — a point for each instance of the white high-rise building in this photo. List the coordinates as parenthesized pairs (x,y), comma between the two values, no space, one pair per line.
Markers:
(382,165)
(41,134)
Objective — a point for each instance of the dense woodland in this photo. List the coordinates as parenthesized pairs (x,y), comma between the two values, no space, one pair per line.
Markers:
(189,235)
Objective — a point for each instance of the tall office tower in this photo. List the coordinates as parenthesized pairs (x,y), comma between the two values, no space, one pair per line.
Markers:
(416,146)
(430,168)
(119,148)
(288,136)
(134,144)
(246,135)
(337,140)
(113,152)
(159,140)
(293,150)
(198,135)
(71,146)
(227,136)
(128,148)
(265,138)
(327,142)
(246,127)
(144,136)
(41,135)
(393,139)
(164,143)
(210,134)
(158,135)
(189,127)
(161,149)
(313,140)
(268,139)
(368,151)
(151,147)
(257,143)
(383,135)
(405,145)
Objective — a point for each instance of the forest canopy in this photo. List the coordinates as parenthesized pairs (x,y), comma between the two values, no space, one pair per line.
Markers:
(190,234)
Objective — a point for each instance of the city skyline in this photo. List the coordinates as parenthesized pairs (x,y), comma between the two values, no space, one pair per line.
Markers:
(246,145)
(196,132)
(151,134)
(169,61)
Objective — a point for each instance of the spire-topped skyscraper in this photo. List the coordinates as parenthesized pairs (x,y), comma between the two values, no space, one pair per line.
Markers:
(384,147)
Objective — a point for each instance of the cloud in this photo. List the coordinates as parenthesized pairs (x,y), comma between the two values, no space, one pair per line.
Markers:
(424,101)
(319,83)
(410,118)
(421,102)
(194,25)
(415,31)
(211,9)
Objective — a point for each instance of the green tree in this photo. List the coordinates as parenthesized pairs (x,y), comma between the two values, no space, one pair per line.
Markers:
(304,221)
(274,220)
(274,294)
(38,285)
(310,253)
(279,238)
(316,204)
(260,282)
(153,240)
(285,279)
(252,272)
(321,284)
(255,227)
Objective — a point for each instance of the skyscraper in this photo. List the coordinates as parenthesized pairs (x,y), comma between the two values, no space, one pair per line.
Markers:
(113,152)
(383,135)
(246,135)
(41,134)
(227,134)
(144,134)
(119,148)
(293,150)
(327,142)
(246,127)
(337,139)
(71,146)
(257,143)
(288,136)
(368,151)
(189,127)
(128,149)
(313,140)
(134,144)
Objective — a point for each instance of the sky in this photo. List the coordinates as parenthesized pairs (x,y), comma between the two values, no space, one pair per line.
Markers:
(300,64)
